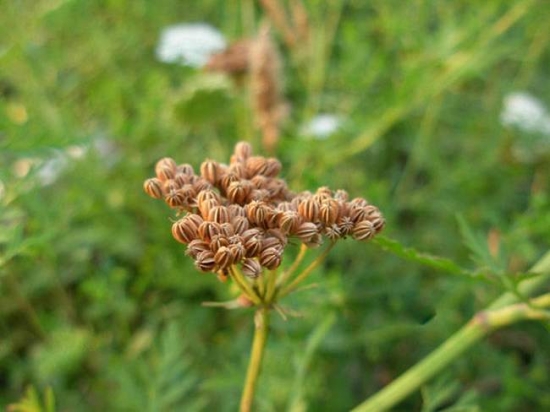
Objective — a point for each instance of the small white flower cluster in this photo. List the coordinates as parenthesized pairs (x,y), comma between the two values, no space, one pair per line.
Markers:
(189,44)
(525,112)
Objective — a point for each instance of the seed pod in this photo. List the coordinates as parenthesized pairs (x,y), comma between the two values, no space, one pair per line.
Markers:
(186,169)
(238,251)
(289,221)
(357,213)
(208,194)
(218,241)
(227,229)
(223,257)
(169,186)
(210,170)
(243,150)
(345,225)
(207,230)
(329,211)
(270,258)
(255,165)
(182,179)
(273,167)
(227,179)
(195,247)
(277,234)
(324,192)
(332,232)
(277,188)
(153,187)
(237,169)
(259,195)
(206,206)
(251,268)
(309,209)
(240,224)
(175,198)
(205,261)
(341,195)
(378,223)
(238,192)
(359,201)
(235,239)
(165,168)
(286,206)
(200,184)
(271,243)
(186,229)
(256,212)
(306,231)
(219,214)
(259,182)
(236,210)
(363,230)
(252,240)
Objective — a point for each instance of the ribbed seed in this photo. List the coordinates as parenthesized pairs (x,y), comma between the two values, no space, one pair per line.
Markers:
(251,268)
(363,230)
(153,187)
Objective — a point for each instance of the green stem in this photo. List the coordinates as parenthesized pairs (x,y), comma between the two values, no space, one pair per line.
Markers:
(498,314)
(261,330)
(306,272)
(243,285)
(290,271)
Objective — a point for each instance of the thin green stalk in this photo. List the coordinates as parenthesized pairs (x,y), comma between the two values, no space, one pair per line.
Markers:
(243,284)
(261,330)
(271,286)
(290,271)
(497,315)
(306,272)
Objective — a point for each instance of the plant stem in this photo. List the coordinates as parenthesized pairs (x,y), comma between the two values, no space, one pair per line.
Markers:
(290,271)
(302,276)
(261,330)
(243,285)
(500,313)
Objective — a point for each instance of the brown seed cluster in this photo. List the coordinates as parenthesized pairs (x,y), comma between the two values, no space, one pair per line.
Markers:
(244,214)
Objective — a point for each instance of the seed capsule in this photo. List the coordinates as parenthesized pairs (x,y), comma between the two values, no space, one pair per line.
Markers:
(240,224)
(205,261)
(207,230)
(227,179)
(309,209)
(210,170)
(345,225)
(185,169)
(238,192)
(153,187)
(195,247)
(257,212)
(270,258)
(236,210)
(289,221)
(219,214)
(329,211)
(252,240)
(165,168)
(175,198)
(315,241)
(363,230)
(243,150)
(218,241)
(186,229)
(255,165)
(238,251)
(332,232)
(306,231)
(223,257)
(251,268)
(272,168)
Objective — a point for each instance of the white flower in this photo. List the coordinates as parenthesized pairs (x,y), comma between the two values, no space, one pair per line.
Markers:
(525,112)
(322,126)
(189,44)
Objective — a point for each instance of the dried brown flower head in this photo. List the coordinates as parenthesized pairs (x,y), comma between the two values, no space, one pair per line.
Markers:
(242,215)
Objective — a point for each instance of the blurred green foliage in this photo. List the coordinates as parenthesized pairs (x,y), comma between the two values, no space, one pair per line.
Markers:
(100,304)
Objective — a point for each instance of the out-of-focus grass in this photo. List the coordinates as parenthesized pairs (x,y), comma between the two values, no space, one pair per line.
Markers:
(101,304)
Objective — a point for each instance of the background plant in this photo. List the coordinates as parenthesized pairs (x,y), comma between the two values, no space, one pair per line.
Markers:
(91,282)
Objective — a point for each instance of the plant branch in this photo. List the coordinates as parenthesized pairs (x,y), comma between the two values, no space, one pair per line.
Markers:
(261,330)
(503,312)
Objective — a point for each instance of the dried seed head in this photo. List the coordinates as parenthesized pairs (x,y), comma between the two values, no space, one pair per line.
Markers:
(236,210)
(357,213)
(207,230)
(363,230)
(272,243)
(252,240)
(341,195)
(165,168)
(227,229)
(218,241)
(238,192)
(273,167)
(208,194)
(240,224)
(277,234)
(270,258)
(315,241)
(206,206)
(195,247)
(227,179)
(205,261)
(345,225)
(306,231)
(153,187)
(223,257)
(329,211)
(251,268)
(210,170)
(243,150)
(324,192)
(201,184)
(186,229)
(238,251)
(175,198)
(332,232)
(238,169)
(219,214)
(256,165)
(259,195)
(186,169)
(259,182)
(257,212)
(308,208)
(359,201)
(289,221)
